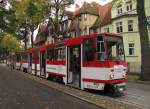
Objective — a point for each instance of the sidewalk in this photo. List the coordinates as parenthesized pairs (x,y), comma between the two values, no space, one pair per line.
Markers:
(138,94)
(97,99)
(135,79)
(140,82)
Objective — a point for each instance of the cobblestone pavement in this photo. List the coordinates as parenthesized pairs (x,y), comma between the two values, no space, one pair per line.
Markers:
(137,93)
(19,92)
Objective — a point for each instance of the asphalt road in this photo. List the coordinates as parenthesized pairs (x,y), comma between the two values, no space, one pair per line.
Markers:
(19,92)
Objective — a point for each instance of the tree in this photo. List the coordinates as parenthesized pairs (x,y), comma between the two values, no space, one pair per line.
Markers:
(144,39)
(9,44)
(7,21)
(19,7)
(55,12)
(29,14)
(35,13)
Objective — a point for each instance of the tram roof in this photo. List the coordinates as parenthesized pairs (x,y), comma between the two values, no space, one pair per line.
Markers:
(20,52)
(69,42)
(78,40)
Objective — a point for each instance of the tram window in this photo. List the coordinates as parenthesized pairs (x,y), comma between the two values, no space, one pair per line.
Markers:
(60,54)
(24,56)
(100,49)
(18,57)
(89,49)
(114,48)
(50,54)
(63,54)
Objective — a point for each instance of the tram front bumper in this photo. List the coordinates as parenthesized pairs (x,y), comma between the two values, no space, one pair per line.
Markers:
(120,88)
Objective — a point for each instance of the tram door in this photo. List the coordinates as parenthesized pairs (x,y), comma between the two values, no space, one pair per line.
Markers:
(74,65)
(30,62)
(42,63)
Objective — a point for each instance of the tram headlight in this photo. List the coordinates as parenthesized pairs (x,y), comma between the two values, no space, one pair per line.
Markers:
(111,76)
(124,75)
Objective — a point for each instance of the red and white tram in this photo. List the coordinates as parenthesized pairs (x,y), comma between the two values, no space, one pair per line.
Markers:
(94,61)
(18,60)
(24,61)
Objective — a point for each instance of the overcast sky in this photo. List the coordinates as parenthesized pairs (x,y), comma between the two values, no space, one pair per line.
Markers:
(102,2)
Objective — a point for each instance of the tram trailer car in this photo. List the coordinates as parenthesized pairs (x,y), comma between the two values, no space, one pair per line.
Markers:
(25,61)
(42,61)
(18,60)
(94,61)
(34,61)
(37,61)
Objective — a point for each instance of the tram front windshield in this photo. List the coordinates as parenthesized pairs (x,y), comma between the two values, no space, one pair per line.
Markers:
(110,48)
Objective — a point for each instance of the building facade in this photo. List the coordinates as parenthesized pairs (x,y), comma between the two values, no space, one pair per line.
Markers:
(124,21)
(118,17)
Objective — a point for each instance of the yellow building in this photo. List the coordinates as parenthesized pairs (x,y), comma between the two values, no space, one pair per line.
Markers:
(124,20)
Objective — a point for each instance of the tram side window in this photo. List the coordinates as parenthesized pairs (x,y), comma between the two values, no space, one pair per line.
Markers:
(60,54)
(89,49)
(24,56)
(18,57)
(50,54)
(101,56)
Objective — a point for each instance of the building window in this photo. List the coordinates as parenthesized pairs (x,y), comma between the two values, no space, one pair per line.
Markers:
(119,27)
(85,17)
(129,7)
(119,10)
(79,18)
(148,21)
(130,25)
(131,48)
(106,29)
(66,25)
(85,30)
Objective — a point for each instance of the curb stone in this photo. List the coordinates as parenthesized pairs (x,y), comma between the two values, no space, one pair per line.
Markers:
(98,100)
